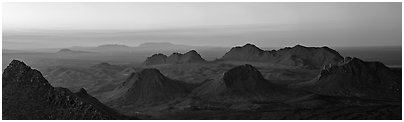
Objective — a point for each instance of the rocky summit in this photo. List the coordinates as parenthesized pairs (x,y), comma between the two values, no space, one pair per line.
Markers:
(28,95)
(297,56)
(175,58)
(353,77)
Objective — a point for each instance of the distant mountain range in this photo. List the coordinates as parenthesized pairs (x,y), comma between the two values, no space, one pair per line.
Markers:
(297,56)
(300,56)
(69,51)
(151,46)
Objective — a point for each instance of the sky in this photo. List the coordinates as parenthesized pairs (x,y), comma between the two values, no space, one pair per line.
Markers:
(61,25)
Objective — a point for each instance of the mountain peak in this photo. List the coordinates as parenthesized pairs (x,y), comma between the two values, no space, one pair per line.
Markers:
(353,77)
(25,89)
(299,46)
(175,58)
(297,56)
(152,72)
(156,59)
(150,86)
(192,52)
(250,46)
(17,70)
(16,64)
(244,74)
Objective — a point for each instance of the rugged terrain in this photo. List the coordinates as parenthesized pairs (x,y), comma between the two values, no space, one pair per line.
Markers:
(28,95)
(246,83)
(353,77)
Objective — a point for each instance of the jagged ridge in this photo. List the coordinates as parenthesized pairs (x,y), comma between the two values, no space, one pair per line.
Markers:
(175,58)
(301,56)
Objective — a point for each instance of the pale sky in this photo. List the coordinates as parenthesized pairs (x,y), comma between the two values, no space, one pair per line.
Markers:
(33,25)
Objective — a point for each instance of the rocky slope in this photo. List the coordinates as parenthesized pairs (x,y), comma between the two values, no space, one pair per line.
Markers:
(300,56)
(175,58)
(353,77)
(28,95)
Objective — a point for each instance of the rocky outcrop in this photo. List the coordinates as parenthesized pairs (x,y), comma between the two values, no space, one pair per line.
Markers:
(299,56)
(175,58)
(156,59)
(28,95)
(353,77)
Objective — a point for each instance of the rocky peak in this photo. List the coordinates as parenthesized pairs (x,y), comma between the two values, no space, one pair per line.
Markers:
(156,59)
(250,48)
(299,46)
(19,72)
(245,74)
(26,94)
(353,77)
(17,67)
(150,86)
(151,73)
(175,58)
(192,52)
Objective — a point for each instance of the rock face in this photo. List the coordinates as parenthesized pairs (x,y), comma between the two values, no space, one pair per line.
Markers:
(312,57)
(149,87)
(28,95)
(353,77)
(243,81)
(175,58)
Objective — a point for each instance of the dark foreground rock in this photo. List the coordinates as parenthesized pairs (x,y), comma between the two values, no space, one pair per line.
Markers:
(28,95)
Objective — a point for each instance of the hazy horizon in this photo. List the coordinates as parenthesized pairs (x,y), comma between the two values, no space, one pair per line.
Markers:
(62,25)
